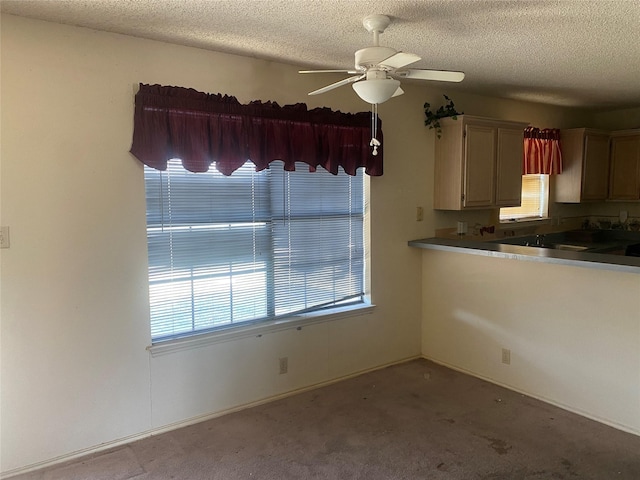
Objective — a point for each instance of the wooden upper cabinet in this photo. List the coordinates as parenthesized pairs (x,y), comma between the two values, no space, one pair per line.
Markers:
(585,160)
(478,163)
(509,171)
(624,179)
(480,166)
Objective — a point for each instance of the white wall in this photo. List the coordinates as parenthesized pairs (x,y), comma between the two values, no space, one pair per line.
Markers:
(75,372)
(573,332)
(620,119)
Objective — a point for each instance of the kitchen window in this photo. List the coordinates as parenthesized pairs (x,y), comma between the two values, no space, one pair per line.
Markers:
(535,200)
(253,247)
(542,156)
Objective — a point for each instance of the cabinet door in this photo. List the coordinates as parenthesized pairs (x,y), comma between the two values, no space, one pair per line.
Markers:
(509,167)
(625,162)
(479,172)
(595,176)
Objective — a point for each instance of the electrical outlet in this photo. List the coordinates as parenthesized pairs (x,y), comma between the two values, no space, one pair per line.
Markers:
(284,365)
(4,237)
(419,214)
(506,356)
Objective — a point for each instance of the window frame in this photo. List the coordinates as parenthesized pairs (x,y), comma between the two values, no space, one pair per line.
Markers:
(260,326)
(543,201)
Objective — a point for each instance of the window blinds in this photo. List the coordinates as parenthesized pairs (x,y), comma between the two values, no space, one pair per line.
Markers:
(254,246)
(535,194)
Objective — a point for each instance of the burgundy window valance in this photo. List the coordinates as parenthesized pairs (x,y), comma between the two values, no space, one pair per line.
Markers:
(201,128)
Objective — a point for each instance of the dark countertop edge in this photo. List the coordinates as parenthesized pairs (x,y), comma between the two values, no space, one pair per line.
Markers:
(600,261)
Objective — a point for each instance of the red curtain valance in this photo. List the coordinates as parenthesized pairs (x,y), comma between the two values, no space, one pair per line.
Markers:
(201,128)
(542,153)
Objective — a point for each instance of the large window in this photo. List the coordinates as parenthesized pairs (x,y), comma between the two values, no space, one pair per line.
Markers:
(250,247)
(535,200)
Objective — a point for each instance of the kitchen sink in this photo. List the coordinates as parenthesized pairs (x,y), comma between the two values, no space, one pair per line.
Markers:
(571,248)
(540,241)
(558,246)
(599,241)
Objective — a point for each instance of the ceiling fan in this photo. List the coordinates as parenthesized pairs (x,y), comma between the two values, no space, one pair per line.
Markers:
(377,68)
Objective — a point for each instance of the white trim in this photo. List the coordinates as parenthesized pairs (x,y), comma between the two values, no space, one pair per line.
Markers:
(563,406)
(190,421)
(259,329)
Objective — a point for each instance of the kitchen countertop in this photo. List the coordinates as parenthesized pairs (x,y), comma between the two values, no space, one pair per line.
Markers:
(602,261)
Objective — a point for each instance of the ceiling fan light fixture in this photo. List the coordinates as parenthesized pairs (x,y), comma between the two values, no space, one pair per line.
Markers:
(376,91)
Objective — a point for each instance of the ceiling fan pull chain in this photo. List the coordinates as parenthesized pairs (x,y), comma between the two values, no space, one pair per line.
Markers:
(375,143)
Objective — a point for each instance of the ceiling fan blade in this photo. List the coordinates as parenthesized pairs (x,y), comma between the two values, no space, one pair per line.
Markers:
(352,72)
(437,75)
(398,92)
(399,60)
(337,84)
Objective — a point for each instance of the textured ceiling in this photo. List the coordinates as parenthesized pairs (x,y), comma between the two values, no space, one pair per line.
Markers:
(564,52)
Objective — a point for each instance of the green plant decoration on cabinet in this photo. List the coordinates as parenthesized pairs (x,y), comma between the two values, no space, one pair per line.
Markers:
(432,119)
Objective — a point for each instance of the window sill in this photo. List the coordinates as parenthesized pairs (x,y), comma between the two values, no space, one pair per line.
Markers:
(236,333)
(524,222)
